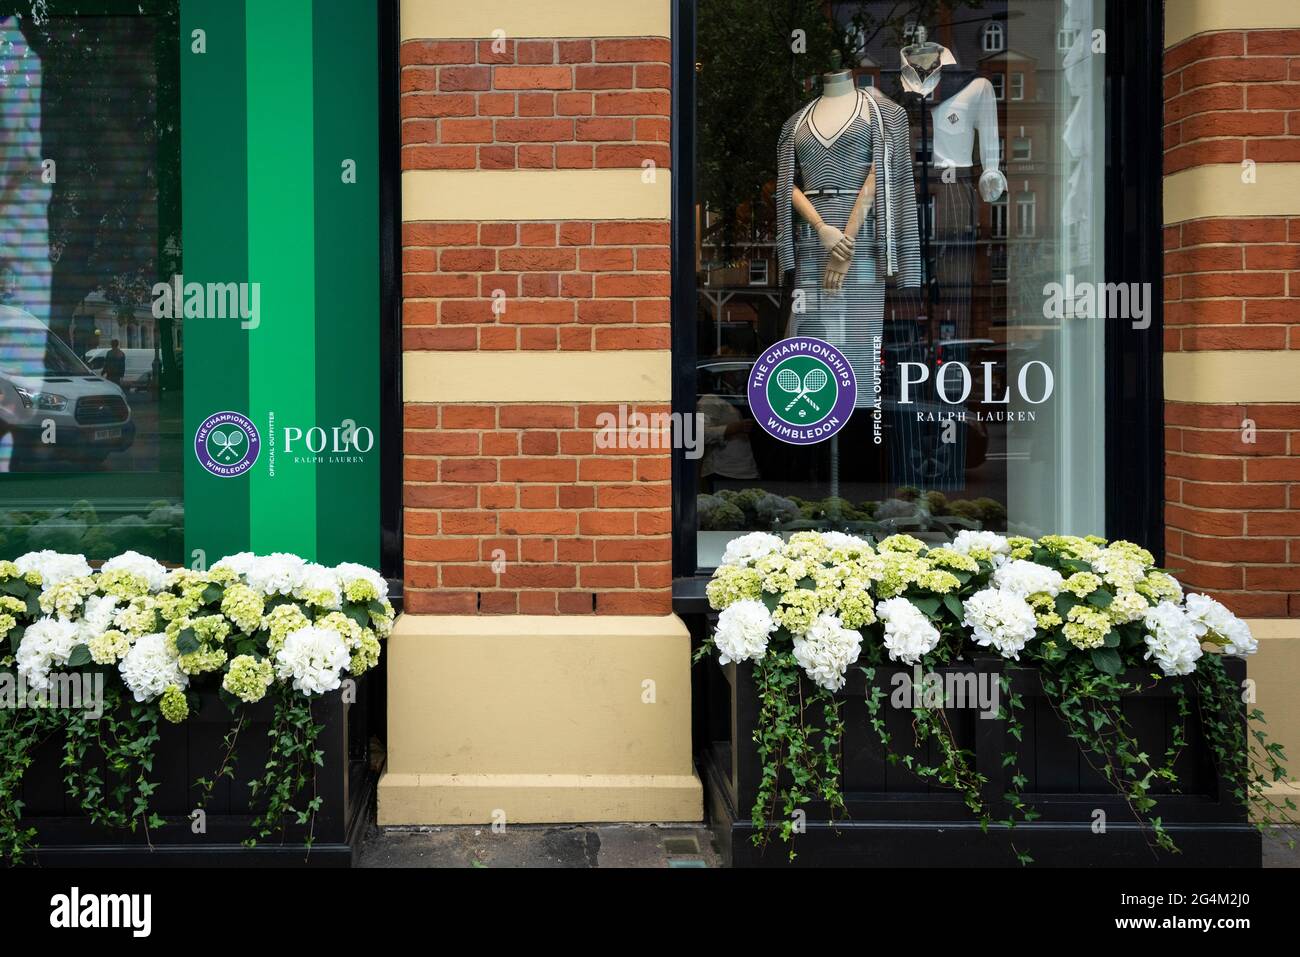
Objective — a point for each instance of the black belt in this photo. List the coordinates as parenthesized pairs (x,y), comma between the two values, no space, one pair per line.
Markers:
(831,192)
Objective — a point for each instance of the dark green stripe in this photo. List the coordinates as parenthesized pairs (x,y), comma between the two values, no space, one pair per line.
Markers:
(347,276)
(215,202)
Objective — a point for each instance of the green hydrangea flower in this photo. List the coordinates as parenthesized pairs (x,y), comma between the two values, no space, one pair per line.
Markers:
(9,570)
(1086,627)
(173,705)
(955,561)
(248,678)
(855,607)
(1082,584)
(937,581)
(798,609)
(360,590)
(902,543)
(66,598)
(732,583)
(122,584)
(366,655)
(280,622)
(244,606)
(1021,547)
(108,648)
(140,617)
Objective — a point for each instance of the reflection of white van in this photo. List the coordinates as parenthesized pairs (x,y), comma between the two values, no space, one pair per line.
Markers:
(139,366)
(42,382)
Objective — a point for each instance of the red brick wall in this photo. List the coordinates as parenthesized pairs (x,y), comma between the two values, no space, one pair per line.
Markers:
(1233,470)
(514,508)
(538,104)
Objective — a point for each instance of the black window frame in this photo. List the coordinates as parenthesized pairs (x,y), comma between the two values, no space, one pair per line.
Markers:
(1134,390)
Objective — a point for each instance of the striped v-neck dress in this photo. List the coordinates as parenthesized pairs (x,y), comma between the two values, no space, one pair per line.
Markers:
(833,165)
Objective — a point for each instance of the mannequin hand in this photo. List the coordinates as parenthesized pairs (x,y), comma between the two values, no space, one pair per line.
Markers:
(835,242)
(836,270)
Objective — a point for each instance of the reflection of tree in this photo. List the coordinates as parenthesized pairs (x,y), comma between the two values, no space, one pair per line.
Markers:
(752,77)
(100,123)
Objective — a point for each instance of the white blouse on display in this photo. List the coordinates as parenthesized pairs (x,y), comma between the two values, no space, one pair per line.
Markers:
(972,109)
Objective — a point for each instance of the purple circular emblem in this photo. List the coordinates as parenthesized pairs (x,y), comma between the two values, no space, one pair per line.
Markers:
(227,444)
(802,390)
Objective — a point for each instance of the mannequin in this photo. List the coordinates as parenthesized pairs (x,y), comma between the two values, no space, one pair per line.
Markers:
(834,110)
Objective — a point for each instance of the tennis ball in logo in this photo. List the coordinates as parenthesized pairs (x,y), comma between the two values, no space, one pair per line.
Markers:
(801,390)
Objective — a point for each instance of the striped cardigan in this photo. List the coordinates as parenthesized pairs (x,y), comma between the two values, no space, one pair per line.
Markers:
(896,230)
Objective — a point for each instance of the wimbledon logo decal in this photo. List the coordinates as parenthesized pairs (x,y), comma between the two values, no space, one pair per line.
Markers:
(802,390)
(227,444)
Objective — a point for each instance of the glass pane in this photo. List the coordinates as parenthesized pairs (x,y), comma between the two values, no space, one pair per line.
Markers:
(90,384)
(960,307)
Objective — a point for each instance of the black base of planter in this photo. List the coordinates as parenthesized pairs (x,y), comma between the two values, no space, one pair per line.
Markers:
(962,844)
(219,853)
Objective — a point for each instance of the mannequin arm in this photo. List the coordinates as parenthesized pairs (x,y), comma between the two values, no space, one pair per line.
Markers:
(836,270)
(836,242)
(862,206)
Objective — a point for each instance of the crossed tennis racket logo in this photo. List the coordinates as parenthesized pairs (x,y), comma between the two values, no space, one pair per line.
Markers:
(228,443)
(813,381)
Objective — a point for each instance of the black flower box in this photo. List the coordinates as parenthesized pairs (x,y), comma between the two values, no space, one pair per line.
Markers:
(893,818)
(194,749)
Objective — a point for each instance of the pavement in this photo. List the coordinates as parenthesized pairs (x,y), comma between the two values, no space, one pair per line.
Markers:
(593,845)
(541,845)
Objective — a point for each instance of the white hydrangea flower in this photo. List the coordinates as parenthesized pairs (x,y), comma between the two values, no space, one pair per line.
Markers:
(1128,606)
(150,668)
(97,617)
(826,650)
(276,574)
(53,567)
(318,584)
(1024,578)
(967,541)
(1172,639)
(1119,569)
(240,563)
(743,630)
(834,540)
(908,633)
(351,571)
(314,658)
(152,571)
(46,644)
(1210,618)
(748,549)
(1000,619)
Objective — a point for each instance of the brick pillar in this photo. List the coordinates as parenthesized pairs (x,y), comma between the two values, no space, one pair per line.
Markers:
(1232,324)
(538,671)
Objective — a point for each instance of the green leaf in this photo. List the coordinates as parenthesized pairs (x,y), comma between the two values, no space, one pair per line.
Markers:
(16,637)
(1112,639)
(34,605)
(1064,602)
(928,606)
(187,642)
(954,606)
(15,586)
(358,614)
(1101,598)
(80,656)
(1107,661)
(213,594)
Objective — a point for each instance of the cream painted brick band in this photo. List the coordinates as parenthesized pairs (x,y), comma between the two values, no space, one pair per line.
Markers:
(1231,377)
(454,19)
(517,195)
(1217,190)
(644,376)
(1186,18)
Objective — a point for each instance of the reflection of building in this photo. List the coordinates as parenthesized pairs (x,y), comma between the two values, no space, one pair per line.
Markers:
(97,322)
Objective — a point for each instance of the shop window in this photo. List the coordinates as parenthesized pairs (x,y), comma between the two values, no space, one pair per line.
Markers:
(1065,38)
(758,272)
(90,385)
(934,278)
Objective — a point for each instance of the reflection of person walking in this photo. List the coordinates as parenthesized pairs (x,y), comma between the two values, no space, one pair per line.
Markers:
(115,364)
